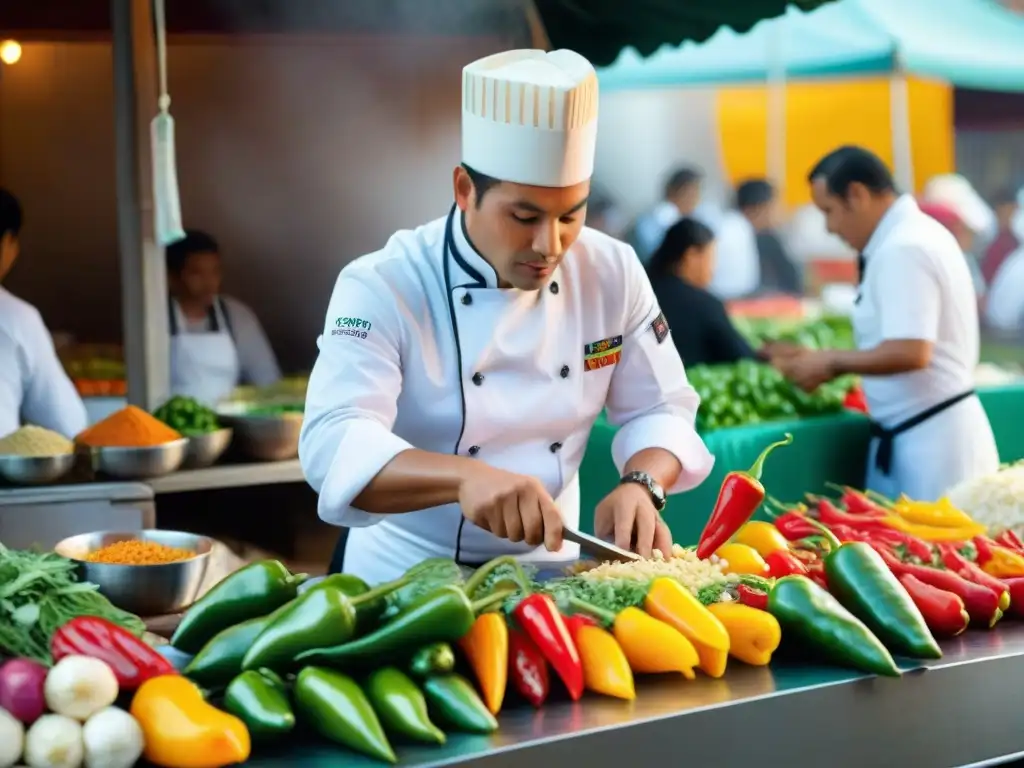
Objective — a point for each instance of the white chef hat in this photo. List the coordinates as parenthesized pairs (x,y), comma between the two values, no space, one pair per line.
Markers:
(956,192)
(530,117)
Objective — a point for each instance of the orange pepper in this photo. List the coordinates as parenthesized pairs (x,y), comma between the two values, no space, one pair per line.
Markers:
(652,646)
(1004,563)
(669,601)
(486,649)
(763,537)
(605,666)
(754,635)
(739,558)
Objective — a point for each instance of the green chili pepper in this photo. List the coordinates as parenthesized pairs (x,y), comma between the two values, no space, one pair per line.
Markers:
(260,700)
(423,578)
(369,611)
(456,704)
(433,659)
(220,660)
(248,593)
(401,706)
(337,709)
(863,583)
(319,618)
(808,613)
(444,615)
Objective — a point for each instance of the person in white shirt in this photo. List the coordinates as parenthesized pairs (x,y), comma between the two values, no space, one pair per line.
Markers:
(217,342)
(34,388)
(682,196)
(462,366)
(916,328)
(1004,308)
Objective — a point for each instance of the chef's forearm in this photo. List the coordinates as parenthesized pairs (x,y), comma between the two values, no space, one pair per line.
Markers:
(660,464)
(412,481)
(888,358)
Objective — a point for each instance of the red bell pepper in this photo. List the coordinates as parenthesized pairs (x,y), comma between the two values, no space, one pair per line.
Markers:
(1016,586)
(982,604)
(754,598)
(956,562)
(739,498)
(794,526)
(527,668)
(538,616)
(783,563)
(943,611)
(1010,540)
(132,660)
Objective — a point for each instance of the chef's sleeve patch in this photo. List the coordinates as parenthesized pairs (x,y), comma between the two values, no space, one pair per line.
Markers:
(600,354)
(351,326)
(659,326)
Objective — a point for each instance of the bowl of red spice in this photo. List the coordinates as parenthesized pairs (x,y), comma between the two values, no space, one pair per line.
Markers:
(130,444)
(148,573)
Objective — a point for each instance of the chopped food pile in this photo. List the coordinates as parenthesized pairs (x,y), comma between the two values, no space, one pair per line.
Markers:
(139,552)
(996,500)
(33,441)
(129,427)
(187,416)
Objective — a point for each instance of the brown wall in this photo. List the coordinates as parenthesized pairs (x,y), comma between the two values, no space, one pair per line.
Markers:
(299,155)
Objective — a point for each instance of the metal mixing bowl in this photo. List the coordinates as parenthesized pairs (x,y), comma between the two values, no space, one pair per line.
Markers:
(204,450)
(145,590)
(35,470)
(139,463)
(266,438)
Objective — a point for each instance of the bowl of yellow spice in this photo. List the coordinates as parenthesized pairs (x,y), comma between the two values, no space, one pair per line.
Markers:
(32,455)
(130,444)
(148,573)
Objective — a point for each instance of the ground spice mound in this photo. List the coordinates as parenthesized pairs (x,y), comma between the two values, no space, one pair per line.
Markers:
(35,441)
(130,427)
(136,552)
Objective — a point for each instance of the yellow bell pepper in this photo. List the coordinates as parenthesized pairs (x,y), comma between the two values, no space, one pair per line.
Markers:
(754,635)
(761,536)
(605,666)
(935,533)
(939,514)
(653,647)
(1004,564)
(183,731)
(739,558)
(669,601)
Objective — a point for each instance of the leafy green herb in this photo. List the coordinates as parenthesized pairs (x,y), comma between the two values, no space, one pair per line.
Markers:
(425,578)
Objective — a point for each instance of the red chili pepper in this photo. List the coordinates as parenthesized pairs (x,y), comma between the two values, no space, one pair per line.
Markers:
(914,546)
(739,498)
(816,573)
(576,621)
(782,563)
(984,545)
(527,668)
(131,659)
(830,514)
(943,611)
(754,598)
(1016,586)
(794,526)
(858,503)
(982,604)
(538,616)
(1010,540)
(855,400)
(956,562)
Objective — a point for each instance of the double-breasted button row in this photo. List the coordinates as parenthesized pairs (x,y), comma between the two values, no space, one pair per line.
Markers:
(554,448)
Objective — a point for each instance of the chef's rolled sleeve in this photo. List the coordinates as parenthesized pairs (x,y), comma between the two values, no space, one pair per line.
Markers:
(352,399)
(650,398)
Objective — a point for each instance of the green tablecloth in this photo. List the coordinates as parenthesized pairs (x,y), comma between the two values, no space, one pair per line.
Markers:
(828,449)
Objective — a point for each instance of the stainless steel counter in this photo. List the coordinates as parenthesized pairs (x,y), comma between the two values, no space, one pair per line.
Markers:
(962,710)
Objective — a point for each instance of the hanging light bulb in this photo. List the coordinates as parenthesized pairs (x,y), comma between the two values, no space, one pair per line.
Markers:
(10,52)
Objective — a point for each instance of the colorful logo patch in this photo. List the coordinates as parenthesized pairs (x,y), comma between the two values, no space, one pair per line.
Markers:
(660,327)
(602,353)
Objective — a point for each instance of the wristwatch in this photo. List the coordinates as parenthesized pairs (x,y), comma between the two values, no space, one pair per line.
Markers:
(648,482)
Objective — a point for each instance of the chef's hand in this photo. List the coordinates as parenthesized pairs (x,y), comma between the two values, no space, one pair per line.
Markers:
(808,370)
(511,506)
(627,516)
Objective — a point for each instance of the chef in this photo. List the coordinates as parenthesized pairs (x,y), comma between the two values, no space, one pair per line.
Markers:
(217,342)
(462,366)
(916,327)
(34,388)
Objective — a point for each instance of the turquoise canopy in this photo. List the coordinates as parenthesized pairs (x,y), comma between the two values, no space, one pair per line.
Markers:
(969,43)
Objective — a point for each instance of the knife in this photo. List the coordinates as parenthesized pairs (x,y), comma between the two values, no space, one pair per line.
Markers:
(595,547)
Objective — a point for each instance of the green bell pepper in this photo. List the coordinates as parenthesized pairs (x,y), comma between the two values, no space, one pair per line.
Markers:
(456,704)
(336,708)
(863,583)
(433,659)
(809,614)
(220,660)
(260,700)
(444,615)
(248,593)
(401,706)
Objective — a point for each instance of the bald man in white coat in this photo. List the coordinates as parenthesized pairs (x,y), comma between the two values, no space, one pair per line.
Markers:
(463,365)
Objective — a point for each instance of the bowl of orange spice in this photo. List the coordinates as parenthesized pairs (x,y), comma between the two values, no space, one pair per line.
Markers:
(148,573)
(130,444)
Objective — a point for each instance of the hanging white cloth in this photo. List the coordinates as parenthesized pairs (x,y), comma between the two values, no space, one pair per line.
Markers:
(166,202)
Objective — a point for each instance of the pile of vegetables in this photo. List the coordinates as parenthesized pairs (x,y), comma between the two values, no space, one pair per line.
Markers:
(187,416)
(829,332)
(995,500)
(38,594)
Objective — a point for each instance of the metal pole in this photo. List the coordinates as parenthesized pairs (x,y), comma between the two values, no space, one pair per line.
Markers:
(776,93)
(899,117)
(143,276)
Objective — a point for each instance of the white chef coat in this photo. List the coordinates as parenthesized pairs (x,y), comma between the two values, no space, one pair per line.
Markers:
(738,264)
(212,356)
(650,228)
(1004,308)
(917,285)
(34,388)
(422,349)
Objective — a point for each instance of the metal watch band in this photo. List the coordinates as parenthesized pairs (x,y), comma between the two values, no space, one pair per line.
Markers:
(653,488)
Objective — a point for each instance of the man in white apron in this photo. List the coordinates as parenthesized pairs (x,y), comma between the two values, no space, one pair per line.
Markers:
(462,366)
(217,342)
(916,326)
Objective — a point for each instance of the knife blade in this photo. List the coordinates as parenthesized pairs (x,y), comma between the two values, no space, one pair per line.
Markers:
(598,548)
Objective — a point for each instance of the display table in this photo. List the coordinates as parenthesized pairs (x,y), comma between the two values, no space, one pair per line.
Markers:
(828,449)
(961,710)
